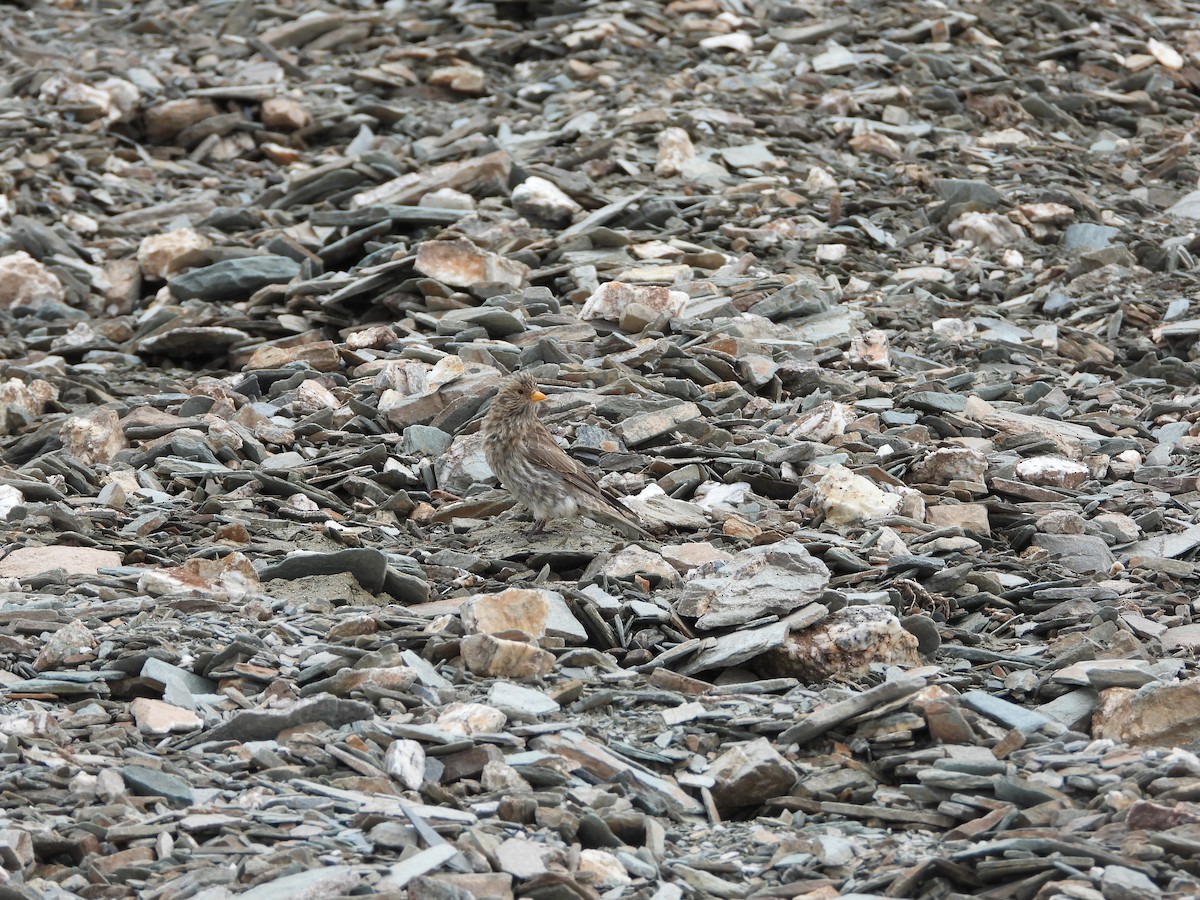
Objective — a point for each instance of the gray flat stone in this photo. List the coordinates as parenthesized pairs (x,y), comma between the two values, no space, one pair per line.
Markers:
(146,782)
(1010,715)
(1081,553)
(315,884)
(233,279)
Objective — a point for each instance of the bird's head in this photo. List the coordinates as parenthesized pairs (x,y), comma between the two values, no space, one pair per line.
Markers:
(518,395)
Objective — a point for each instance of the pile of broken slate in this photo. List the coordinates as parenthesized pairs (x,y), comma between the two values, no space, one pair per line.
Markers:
(882,317)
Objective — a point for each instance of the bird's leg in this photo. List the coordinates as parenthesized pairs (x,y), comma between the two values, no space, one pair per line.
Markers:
(539,527)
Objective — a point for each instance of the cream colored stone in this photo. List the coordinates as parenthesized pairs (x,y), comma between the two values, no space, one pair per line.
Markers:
(157,717)
(94,438)
(497,658)
(284,114)
(160,256)
(27,283)
(471,718)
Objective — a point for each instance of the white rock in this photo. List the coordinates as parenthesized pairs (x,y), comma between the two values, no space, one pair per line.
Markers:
(675,150)
(820,181)
(604,870)
(847,498)
(471,718)
(543,203)
(773,579)
(10,499)
(654,507)
(737,41)
(988,231)
(498,775)
(405,761)
(1167,56)
(610,300)
(448,198)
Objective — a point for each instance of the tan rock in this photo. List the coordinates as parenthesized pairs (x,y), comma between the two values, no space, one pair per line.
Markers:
(675,151)
(498,775)
(157,717)
(284,114)
(232,576)
(749,774)
(124,288)
(459,263)
(522,613)
(72,640)
(166,120)
(162,255)
(1157,714)
(321,355)
(871,349)
(374,338)
(478,177)
(463,78)
(636,560)
(948,464)
(971,516)
(848,641)
(94,438)
(21,403)
(392,678)
(497,658)
(26,561)
(279,154)
(26,283)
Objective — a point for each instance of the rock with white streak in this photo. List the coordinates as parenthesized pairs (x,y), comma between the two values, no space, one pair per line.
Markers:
(1052,471)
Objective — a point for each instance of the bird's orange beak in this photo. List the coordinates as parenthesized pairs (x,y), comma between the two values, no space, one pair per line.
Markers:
(537,395)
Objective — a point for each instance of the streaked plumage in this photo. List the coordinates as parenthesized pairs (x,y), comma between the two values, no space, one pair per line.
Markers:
(535,470)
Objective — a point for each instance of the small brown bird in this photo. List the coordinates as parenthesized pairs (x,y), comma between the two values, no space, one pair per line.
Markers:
(535,470)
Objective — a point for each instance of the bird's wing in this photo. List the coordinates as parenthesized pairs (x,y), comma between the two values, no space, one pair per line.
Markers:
(549,455)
